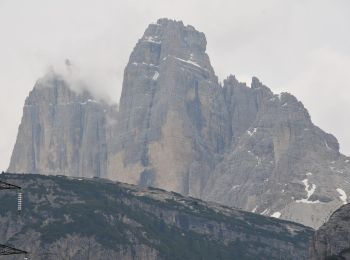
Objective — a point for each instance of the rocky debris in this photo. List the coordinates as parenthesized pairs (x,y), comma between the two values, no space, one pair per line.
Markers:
(332,240)
(79,218)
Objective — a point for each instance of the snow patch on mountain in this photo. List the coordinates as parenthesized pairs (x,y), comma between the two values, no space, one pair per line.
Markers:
(309,190)
(276,214)
(250,133)
(152,40)
(343,197)
(156,75)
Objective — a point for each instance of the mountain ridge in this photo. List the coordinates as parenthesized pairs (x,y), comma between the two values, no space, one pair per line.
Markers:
(177,128)
(81,218)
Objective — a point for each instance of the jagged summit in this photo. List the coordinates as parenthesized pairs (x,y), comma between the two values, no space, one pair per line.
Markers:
(54,88)
(169,41)
(178,129)
(167,76)
(62,131)
(256,83)
(233,81)
(50,79)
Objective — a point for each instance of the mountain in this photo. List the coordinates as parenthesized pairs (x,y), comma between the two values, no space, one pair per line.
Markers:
(66,218)
(179,129)
(63,131)
(279,163)
(172,118)
(332,240)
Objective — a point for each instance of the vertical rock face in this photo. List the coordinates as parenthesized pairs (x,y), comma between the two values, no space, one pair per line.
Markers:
(279,164)
(332,240)
(180,130)
(62,132)
(243,104)
(172,117)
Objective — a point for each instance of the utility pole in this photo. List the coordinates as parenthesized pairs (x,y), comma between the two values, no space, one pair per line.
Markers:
(9,250)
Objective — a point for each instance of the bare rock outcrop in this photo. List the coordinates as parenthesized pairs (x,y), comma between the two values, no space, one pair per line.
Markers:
(279,164)
(178,129)
(332,240)
(173,118)
(62,131)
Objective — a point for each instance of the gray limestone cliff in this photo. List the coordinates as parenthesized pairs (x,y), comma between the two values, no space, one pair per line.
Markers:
(173,121)
(179,129)
(279,164)
(332,240)
(62,131)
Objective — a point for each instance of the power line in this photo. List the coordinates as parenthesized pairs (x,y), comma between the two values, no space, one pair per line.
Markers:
(9,250)
(5,249)
(8,186)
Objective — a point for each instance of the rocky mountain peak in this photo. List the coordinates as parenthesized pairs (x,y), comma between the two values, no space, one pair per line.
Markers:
(171,40)
(256,83)
(231,80)
(169,102)
(179,130)
(54,89)
(62,131)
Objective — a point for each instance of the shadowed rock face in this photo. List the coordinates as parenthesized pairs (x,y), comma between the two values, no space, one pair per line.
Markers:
(173,118)
(332,240)
(65,218)
(279,163)
(177,128)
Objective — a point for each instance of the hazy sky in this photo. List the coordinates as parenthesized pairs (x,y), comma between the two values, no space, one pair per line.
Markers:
(299,46)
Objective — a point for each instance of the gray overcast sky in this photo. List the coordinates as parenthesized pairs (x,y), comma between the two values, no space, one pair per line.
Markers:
(299,46)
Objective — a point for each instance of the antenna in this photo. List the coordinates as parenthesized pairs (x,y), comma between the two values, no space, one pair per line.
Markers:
(19,201)
(9,250)
(9,186)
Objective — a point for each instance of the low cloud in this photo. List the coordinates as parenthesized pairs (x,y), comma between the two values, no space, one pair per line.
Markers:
(88,76)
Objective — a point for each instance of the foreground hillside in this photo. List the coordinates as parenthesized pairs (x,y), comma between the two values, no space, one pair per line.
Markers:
(65,218)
